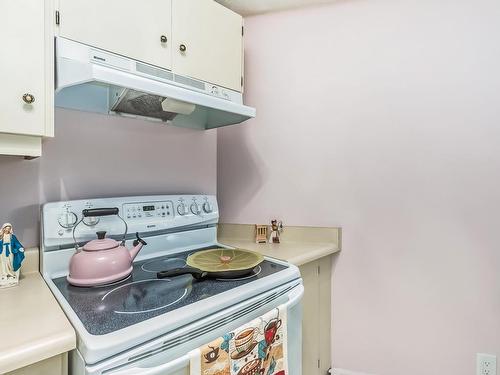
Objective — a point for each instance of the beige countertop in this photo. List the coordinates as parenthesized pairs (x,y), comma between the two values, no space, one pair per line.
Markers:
(32,324)
(299,245)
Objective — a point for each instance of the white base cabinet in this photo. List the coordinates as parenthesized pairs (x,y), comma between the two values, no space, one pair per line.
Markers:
(57,365)
(27,76)
(316,323)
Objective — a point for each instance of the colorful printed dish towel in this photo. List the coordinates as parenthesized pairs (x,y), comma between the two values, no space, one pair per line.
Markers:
(257,348)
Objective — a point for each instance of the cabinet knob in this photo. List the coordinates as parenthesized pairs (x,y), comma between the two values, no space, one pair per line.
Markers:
(182,48)
(163,39)
(28,98)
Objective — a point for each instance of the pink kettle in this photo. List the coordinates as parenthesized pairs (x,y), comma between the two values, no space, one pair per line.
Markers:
(102,260)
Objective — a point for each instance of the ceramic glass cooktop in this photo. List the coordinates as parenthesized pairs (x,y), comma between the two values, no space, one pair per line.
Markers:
(142,296)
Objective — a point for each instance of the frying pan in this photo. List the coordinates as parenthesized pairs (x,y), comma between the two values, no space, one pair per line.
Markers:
(217,263)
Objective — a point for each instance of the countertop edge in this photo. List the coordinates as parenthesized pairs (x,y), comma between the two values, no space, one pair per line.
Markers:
(313,256)
(32,351)
(37,351)
(279,251)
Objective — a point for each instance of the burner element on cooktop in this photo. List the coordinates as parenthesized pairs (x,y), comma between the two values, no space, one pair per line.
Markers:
(143,296)
(158,265)
(107,285)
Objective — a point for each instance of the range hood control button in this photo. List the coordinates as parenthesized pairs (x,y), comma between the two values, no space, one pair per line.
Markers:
(195,209)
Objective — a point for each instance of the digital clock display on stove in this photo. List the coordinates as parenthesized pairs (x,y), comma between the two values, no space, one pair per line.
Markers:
(148,208)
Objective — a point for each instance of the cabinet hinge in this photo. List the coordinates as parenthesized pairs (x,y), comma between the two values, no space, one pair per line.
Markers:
(58,17)
(242,81)
(319,270)
(319,363)
(242,30)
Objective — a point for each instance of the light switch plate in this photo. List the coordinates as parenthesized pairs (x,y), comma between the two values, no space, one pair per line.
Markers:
(486,364)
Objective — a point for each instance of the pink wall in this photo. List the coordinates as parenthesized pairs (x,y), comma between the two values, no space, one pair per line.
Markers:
(99,156)
(382,116)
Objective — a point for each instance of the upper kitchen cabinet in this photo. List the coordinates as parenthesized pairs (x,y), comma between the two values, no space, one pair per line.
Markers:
(26,73)
(207,42)
(139,30)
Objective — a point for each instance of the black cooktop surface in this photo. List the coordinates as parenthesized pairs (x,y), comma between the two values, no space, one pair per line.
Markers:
(142,296)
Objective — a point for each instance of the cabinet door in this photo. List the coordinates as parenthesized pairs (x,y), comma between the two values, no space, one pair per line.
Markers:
(310,322)
(137,29)
(207,42)
(57,365)
(316,326)
(22,67)
(325,313)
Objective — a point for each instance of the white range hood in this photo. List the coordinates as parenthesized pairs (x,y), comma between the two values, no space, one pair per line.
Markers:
(94,80)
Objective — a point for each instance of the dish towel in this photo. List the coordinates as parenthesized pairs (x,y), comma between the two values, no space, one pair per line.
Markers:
(256,348)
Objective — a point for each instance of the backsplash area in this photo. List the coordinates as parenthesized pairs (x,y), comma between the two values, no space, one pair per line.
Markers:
(100,156)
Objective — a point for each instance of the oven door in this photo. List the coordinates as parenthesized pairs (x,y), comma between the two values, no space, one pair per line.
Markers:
(157,363)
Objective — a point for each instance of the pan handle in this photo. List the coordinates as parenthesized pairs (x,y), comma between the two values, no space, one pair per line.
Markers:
(195,272)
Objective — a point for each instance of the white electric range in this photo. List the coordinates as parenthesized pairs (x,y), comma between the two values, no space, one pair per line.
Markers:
(144,325)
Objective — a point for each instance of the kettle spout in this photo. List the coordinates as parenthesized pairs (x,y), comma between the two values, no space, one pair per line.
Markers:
(138,244)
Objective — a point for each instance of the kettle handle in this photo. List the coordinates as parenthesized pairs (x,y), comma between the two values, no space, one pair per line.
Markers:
(94,212)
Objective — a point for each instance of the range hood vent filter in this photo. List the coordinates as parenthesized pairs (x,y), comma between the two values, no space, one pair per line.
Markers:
(141,104)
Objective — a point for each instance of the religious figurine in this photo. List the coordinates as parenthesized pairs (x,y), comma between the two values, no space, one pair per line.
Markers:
(11,257)
(276,229)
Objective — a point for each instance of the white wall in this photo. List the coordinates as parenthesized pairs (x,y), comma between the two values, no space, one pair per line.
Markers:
(382,116)
(101,156)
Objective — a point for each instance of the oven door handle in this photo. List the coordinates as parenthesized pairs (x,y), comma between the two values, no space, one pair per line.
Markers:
(295,296)
(171,366)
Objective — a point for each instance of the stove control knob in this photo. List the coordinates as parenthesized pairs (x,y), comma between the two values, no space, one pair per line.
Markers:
(207,207)
(195,209)
(182,209)
(67,220)
(90,221)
